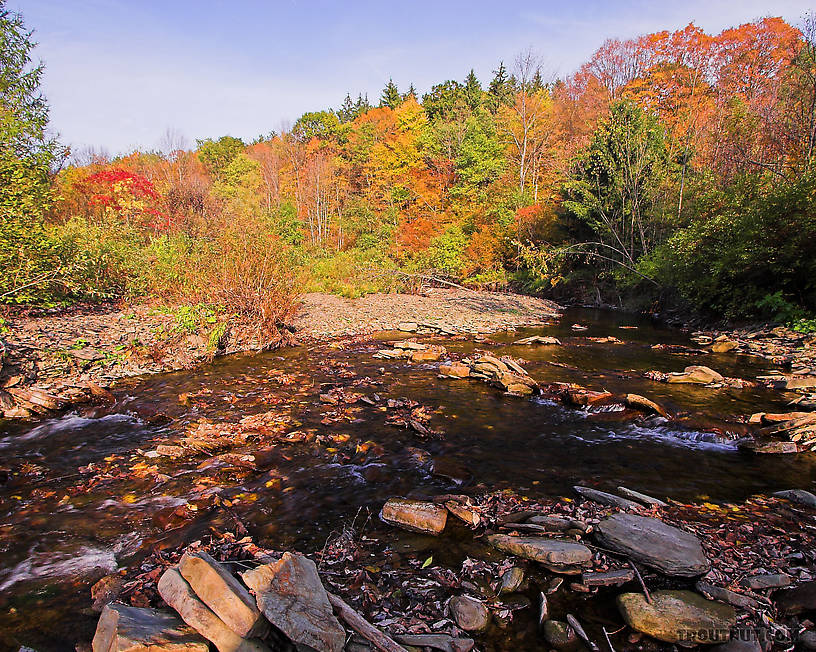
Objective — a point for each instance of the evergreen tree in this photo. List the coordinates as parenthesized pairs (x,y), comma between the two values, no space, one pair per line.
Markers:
(347,112)
(472,91)
(390,95)
(500,90)
(411,93)
(362,105)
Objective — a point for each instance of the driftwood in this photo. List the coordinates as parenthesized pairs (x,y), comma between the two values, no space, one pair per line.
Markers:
(363,627)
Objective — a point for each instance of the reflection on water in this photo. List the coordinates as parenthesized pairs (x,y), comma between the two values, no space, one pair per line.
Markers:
(59,532)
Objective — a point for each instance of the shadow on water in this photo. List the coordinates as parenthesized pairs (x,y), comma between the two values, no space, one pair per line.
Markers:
(57,535)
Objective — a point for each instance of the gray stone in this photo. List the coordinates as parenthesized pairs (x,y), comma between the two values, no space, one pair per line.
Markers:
(135,629)
(653,543)
(291,596)
(678,617)
(175,591)
(415,515)
(559,556)
(604,498)
(469,613)
(610,578)
(224,594)
(799,496)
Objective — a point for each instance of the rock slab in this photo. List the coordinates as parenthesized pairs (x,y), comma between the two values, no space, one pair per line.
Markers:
(135,629)
(678,617)
(223,593)
(291,596)
(559,556)
(415,515)
(653,543)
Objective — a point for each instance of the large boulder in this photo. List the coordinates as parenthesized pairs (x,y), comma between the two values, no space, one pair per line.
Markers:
(653,543)
(134,629)
(223,593)
(678,617)
(176,592)
(415,515)
(567,557)
(291,596)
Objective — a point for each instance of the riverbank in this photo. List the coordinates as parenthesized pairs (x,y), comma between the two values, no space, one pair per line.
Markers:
(58,359)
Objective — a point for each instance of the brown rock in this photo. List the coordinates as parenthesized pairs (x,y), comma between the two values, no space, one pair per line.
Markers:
(698,375)
(106,590)
(415,515)
(724,346)
(455,370)
(175,591)
(638,401)
(223,593)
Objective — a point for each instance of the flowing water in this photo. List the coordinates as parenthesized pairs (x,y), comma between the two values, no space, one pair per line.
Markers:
(59,532)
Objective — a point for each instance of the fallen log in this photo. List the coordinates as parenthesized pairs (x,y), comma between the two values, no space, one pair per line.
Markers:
(363,627)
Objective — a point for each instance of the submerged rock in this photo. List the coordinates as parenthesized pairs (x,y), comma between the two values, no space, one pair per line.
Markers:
(559,556)
(291,596)
(455,370)
(134,629)
(769,447)
(724,346)
(223,593)
(511,580)
(469,613)
(415,515)
(560,635)
(653,543)
(678,617)
(442,642)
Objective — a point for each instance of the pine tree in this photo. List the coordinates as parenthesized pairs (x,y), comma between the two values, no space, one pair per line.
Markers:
(411,93)
(346,112)
(390,95)
(472,91)
(500,90)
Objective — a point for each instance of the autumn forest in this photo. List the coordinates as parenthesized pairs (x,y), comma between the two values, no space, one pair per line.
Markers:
(670,171)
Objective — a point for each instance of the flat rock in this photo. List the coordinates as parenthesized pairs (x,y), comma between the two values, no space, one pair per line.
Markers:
(653,543)
(610,578)
(801,382)
(455,370)
(136,629)
(726,595)
(697,375)
(604,498)
(769,581)
(442,642)
(415,515)
(539,339)
(678,617)
(724,346)
(469,613)
(177,593)
(291,596)
(799,496)
(223,593)
(408,326)
(644,499)
(796,600)
(559,556)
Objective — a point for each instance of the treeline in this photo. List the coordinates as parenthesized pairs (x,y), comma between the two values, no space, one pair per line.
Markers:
(671,169)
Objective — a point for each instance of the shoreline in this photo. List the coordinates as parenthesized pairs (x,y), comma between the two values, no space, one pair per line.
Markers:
(53,361)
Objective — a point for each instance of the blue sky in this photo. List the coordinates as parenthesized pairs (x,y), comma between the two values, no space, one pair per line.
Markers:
(121,72)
